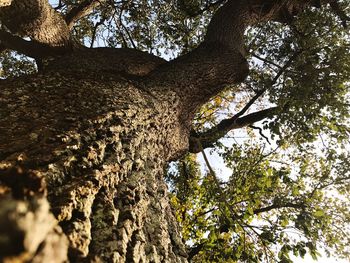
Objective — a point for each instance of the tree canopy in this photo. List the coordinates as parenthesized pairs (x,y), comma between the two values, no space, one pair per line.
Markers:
(283,132)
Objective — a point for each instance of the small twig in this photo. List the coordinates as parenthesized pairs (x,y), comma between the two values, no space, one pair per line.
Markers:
(260,132)
(266,60)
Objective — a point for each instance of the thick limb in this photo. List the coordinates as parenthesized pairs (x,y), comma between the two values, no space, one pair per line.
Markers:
(36,19)
(220,60)
(81,10)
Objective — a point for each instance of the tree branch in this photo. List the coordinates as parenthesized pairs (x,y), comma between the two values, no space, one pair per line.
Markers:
(36,19)
(93,37)
(260,132)
(119,20)
(208,138)
(29,48)
(220,60)
(278,206)
(194,251)
(208,7)
(2,47)
(81,10)
(266,60)
(228,24)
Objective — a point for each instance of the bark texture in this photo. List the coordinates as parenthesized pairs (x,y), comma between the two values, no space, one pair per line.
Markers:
(83,144)
(100,143)
(37,20)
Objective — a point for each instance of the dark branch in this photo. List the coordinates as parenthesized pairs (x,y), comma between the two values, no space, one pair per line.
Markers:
(124,28)
(2,47)
(260,132)
(59,5)
(279,206)
(208,7)
(283,69)
(81,10)
(194,251)
(208,138)
(299,206)
(266,61)
(29,48)
(93,37)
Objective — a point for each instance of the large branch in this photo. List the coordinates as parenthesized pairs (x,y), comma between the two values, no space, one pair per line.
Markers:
(229,23)
(29,48)
(220,60)
(208,138)
(198,142)
(81,10)
(36,19)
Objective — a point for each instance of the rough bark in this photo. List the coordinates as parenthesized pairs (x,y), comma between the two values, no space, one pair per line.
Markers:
(30,48)
(37,20)
(101,152)
(92,133)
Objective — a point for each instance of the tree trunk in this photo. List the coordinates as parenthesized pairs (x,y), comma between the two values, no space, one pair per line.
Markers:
(91,134)
(95,146)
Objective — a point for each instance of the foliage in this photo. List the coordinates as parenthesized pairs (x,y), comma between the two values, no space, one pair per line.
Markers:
(13,65)
(157,26)
(290,197)
(287,197)
(275,203)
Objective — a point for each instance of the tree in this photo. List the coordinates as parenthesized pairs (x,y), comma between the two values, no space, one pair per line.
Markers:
(85,140)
